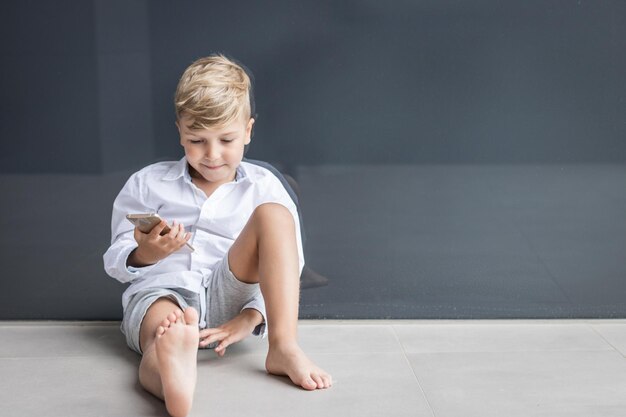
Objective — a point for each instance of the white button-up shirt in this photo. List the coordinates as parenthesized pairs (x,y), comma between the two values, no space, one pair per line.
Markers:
(166,188)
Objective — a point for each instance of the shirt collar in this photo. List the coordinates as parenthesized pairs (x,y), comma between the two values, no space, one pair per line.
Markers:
(181,169)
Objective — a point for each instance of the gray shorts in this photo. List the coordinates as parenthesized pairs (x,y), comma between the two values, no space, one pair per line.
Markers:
(226,296)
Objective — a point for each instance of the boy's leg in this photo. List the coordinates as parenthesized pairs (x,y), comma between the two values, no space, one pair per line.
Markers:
(308,278)
(266,253)
(169,342)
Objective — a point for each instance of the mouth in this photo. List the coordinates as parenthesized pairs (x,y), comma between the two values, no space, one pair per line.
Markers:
(213,167)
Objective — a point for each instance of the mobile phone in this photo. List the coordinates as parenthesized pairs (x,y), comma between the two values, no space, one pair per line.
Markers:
(145,222)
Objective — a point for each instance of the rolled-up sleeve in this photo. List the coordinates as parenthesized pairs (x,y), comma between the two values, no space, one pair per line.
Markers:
(258,304)
(115,261)
(129,200)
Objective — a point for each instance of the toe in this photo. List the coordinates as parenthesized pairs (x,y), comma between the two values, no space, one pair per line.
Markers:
(191,316)
(172,317)
(178,313)
(180,319)
(308,384)
(160,331)
(327,381)
(318,381)
(165,323)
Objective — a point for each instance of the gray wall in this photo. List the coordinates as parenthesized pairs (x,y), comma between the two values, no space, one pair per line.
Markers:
(415,82)
(87,99)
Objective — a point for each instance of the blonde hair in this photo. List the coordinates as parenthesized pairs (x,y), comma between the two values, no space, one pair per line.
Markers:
(213,91)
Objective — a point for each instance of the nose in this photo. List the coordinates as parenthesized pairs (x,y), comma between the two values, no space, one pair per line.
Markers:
(212,152)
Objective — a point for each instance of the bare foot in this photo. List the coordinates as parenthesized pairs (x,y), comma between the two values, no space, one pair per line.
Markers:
(290,360)
(171,318)
(177,350)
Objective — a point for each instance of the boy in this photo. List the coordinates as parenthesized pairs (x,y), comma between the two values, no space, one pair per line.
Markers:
(243,276)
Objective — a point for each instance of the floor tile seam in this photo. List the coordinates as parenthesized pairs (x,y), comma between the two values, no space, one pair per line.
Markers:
(60,357)
(353,352)
(504,321)
(419,384)
(337,353)
(451,322)
(311,352)
(238,354)
(605,321)
(462,322)
(608,350)
(607,341)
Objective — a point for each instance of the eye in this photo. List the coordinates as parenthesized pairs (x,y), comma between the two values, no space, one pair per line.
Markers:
(195,140)
(227,140)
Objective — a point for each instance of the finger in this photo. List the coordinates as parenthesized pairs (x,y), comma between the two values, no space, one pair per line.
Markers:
(156,230)
(204,343)
(214,338)
(222,346)
(173,230)
(180,237)
(183,241)
(218,337)
(208,332)
(178,229)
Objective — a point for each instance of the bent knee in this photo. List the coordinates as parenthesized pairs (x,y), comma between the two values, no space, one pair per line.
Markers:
(274,213)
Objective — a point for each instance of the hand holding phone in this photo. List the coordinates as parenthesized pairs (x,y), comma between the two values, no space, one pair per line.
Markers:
(145,222)
(156,238)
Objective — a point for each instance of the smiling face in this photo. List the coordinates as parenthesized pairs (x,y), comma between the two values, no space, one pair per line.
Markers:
(214,154)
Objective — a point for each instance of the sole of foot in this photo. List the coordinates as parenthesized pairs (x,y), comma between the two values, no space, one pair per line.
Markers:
(177,351)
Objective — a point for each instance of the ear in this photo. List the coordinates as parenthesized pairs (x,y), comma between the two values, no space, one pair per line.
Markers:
(249,131)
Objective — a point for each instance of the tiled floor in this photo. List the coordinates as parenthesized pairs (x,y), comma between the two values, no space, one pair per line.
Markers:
(380,368)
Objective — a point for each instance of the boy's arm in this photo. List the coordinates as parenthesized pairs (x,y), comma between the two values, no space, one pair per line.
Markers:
(116,260)
(129,200)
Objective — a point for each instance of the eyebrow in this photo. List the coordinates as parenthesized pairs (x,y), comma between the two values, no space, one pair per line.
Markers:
(191,133)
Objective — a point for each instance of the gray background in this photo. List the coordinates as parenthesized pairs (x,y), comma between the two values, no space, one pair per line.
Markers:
(457,159)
